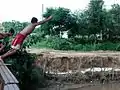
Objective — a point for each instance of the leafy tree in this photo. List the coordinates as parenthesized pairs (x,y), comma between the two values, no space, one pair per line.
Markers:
(114,24)
(1,28)
(81,22)
(95,19)
(62,21)
(16,25)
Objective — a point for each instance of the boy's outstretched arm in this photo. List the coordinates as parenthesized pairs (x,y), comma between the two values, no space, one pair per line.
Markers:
(4,34)
(44,21)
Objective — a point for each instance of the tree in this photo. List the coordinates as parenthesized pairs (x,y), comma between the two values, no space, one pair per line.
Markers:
(114,25)
(16,25)
(95,18)
(62,21)
(1,28)
(81,22)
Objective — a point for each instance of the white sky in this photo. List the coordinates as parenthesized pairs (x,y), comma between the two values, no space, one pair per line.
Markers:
(24,10)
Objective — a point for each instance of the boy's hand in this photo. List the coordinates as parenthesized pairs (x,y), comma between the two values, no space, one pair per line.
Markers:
(50,17)
(43,21)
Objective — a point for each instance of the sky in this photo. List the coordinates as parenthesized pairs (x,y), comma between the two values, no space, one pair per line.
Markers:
(24,10)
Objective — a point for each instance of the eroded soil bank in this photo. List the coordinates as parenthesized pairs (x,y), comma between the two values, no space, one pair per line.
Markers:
(72,61)
(72,70)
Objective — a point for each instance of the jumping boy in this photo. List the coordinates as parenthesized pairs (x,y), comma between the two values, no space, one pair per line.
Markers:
(20,37)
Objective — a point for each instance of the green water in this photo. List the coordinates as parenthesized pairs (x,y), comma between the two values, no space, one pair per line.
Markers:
(103,87)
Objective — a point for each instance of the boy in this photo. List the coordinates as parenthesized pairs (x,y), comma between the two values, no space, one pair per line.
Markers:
(2,46)
(20,37)
(5,36)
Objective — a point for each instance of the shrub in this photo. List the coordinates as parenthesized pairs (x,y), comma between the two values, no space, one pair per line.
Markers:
(61,44)
(29,76)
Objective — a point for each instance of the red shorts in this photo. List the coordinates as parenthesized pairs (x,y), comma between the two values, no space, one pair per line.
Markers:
(19,38)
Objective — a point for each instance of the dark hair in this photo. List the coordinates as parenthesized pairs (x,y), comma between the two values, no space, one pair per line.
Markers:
(34,20)
(11,31)
(0,42)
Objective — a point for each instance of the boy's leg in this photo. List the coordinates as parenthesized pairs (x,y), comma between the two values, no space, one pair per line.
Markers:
(9,53)
(2,48)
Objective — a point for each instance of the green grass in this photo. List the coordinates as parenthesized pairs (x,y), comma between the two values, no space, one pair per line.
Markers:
(63,44)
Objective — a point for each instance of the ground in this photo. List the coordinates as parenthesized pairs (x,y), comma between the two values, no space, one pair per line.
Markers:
(100,52)
(72,60)
(56,61)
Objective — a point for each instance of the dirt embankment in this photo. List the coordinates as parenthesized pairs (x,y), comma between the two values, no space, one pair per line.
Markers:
(63,61)
(70,61)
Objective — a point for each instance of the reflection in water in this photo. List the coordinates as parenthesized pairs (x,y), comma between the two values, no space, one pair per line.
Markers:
(103,87)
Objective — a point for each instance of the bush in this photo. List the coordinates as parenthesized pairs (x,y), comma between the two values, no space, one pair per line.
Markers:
(77,47)
(61,44)
(108,46)
(118,47)
(58,43)
(55,43)
(29,76)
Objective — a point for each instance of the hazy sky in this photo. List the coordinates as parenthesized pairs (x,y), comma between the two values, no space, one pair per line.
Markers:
(23,10)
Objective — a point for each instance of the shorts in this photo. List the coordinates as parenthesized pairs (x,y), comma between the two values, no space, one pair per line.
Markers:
(17,41)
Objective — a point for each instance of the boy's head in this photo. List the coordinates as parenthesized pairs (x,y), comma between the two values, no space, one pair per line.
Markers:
(11,31)
(34,20)
(0,42)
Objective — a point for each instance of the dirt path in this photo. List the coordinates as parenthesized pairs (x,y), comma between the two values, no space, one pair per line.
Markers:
(74,53)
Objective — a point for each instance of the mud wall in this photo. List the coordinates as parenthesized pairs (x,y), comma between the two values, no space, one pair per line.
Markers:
(63,62)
